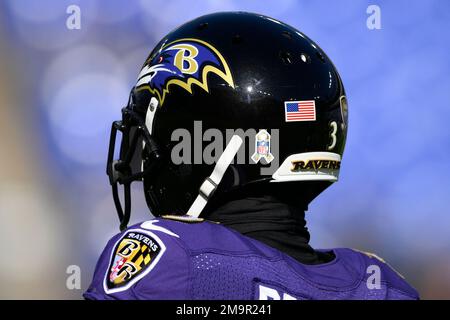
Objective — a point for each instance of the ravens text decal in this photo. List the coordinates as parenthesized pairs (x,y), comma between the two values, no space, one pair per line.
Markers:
(183,63)
(133,256)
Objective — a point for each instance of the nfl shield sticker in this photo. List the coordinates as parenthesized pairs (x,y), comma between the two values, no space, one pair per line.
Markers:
(133,257)
(262,147)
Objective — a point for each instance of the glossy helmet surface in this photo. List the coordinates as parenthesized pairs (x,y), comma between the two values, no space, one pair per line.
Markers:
(229,71)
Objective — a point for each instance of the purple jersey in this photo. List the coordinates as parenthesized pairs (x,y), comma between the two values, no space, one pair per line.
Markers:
(167,259)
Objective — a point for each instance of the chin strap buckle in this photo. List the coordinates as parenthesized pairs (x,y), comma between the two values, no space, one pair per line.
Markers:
(207,188)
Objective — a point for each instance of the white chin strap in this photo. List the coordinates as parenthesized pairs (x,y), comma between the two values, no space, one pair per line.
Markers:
(210,184)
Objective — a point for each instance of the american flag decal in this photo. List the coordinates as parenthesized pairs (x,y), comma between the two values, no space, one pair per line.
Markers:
(300,110)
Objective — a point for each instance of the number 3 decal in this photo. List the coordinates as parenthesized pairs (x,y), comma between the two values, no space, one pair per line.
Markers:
(333,127)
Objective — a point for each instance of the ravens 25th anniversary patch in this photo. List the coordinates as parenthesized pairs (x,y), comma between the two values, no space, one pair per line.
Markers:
(133,256)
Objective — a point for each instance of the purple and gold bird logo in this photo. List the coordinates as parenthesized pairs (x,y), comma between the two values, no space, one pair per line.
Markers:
(184,63)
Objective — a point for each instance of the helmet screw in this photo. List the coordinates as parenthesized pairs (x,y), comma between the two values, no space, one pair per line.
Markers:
(153,104)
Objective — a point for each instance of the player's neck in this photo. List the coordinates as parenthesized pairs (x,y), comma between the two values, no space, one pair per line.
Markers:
(272,222)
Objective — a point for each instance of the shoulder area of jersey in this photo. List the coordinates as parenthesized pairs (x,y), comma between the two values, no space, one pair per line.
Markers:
(379,272)
(137,250)
(184,231)
(161,230)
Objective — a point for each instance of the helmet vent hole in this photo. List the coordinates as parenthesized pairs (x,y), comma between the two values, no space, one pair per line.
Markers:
(320,56)
(287,35)
(305,58)
(236,39)
(286,57)
(202,26)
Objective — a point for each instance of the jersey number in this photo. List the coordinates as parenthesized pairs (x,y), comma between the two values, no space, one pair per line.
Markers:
(333,131)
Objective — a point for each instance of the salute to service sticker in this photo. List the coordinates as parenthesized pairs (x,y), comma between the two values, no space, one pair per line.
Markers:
(262,147)
(133,256)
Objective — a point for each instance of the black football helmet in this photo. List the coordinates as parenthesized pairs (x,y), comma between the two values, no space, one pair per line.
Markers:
(241,82)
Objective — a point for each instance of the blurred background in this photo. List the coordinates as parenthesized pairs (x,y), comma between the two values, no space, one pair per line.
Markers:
(61,88)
